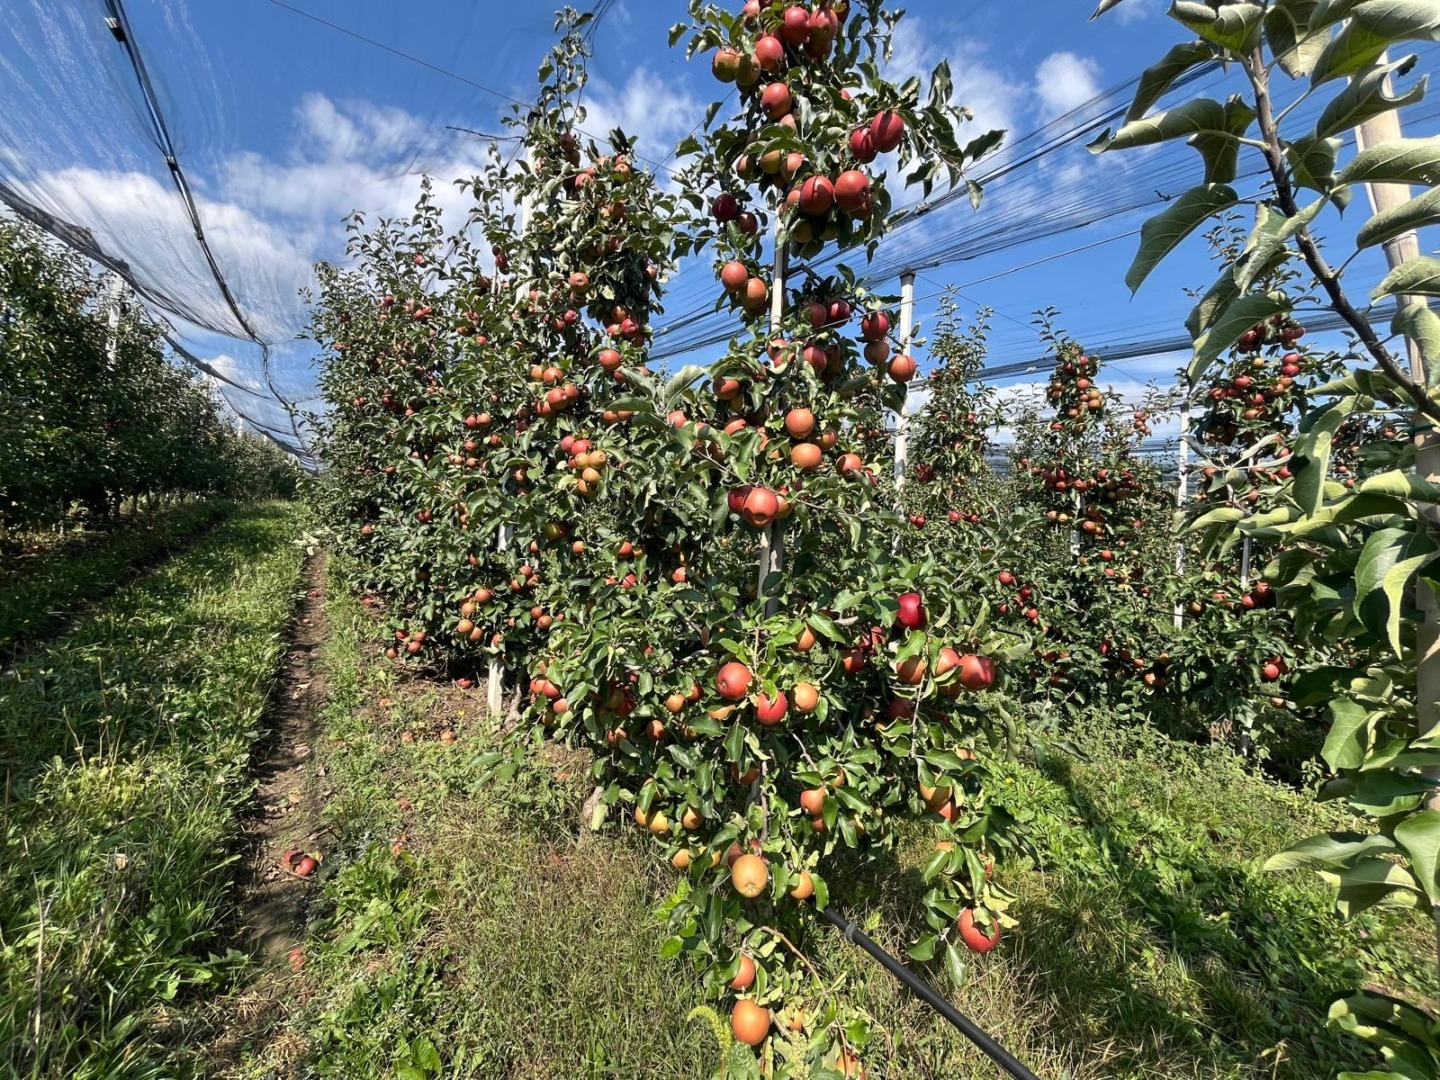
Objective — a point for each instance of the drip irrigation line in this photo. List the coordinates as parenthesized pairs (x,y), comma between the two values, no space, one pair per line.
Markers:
(926,993)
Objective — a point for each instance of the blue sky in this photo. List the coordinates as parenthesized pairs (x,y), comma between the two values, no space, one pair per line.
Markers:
(284,124)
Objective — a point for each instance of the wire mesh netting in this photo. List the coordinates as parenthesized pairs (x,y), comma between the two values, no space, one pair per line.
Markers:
(132,131)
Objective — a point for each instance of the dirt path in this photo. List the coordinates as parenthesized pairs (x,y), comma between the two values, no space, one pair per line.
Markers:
(285,823)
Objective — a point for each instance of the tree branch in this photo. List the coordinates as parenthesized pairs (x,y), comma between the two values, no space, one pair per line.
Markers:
(1328,278)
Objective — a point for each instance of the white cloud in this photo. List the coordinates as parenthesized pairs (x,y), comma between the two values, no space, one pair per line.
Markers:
(1065,81)
(648,108)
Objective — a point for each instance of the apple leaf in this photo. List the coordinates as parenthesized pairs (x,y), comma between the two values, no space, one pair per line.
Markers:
(1366,96)
(1163,232)
(1295,45)
(1337,849)
(1389,559)
(1159,77)
(1234,321)
(1193,117)
(1373,27)
(1233,26)
(954,964)
(1403,161)
(1348,738)
(1312,452)
(1416,277)
(1413,214)
(1371,882)
(1419,835)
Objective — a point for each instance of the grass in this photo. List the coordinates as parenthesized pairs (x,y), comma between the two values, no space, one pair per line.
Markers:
(39,590)
(126,746)
(501,941)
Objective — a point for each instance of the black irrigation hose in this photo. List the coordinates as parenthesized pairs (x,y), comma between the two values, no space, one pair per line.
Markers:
(926,993)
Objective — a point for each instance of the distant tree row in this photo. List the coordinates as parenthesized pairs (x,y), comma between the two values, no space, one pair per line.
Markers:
(93,411)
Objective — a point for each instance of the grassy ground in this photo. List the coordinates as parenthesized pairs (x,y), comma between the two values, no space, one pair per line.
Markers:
(44,584)
(471,930)
(125,746)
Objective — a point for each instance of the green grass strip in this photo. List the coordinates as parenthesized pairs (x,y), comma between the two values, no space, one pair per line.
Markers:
(38,593)
(125,746)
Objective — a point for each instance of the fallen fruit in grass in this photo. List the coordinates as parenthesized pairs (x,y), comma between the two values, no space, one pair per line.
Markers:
(750,1022)
(305,866)
(750,875)
(973,936)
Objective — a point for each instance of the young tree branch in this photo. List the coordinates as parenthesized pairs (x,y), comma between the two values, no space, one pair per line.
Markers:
(1328,278)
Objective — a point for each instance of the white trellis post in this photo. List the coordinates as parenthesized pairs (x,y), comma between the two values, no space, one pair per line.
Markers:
(772,538)
(907,331)
(495,682)
(1182,494)
(1385,128)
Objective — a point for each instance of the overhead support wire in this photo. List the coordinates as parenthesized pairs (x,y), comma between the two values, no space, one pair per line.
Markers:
(119,24)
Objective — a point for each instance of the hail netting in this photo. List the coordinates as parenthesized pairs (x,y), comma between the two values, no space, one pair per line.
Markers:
(141,134)
(209,152)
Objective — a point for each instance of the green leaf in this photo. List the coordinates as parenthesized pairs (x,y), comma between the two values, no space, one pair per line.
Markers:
(1233,26)
(1417,277)
(1413,214)
(954,964)
(1348,738)
(1312,161)
(1419,324)
(1160,235)
(1209,307)
(1401,484)
(1287,31)
(1365,97)
(1159,77)
(1229,325)
(1266,247)
(1221,149)
(924,949)
(1403,161)
(1419,835)
(1104,6)
(1191,118)
(1370,882)
(1312,452)
(1373,27)
(1389,559)
(1335,849)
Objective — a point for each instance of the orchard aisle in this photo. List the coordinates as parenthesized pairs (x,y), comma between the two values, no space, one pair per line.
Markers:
(126,746)
(462,924)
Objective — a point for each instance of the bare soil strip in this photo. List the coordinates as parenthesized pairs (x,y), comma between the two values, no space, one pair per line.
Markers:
(285,822)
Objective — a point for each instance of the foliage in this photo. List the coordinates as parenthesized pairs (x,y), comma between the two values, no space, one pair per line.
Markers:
(517,483)
(119,819)
(95,414)
(39,591)
(1352,556)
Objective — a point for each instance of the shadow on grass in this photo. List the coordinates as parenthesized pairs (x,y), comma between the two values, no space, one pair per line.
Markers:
(98,699)
(1136,956)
